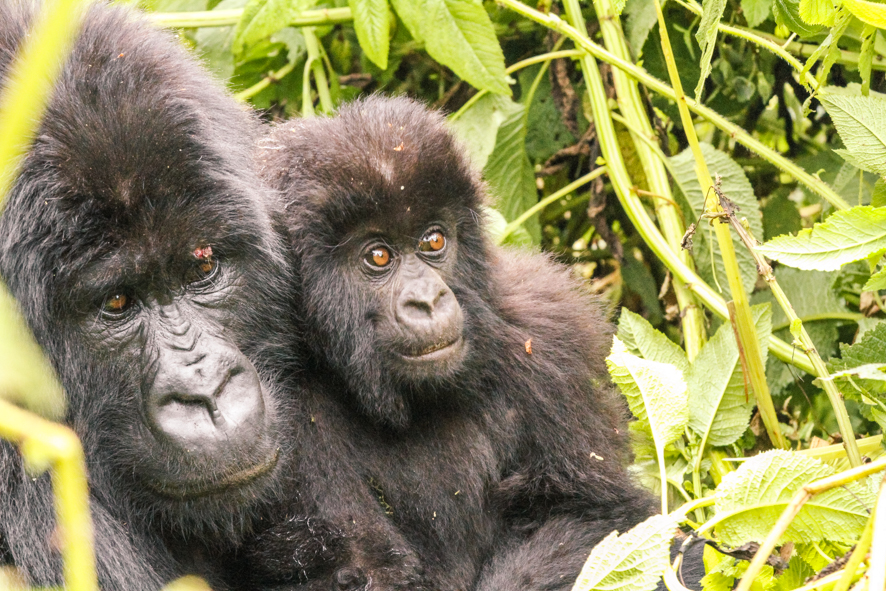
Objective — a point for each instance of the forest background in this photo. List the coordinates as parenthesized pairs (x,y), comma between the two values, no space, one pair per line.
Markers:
(715,171)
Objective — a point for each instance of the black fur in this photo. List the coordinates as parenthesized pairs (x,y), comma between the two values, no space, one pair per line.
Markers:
(501,470)
(140,160)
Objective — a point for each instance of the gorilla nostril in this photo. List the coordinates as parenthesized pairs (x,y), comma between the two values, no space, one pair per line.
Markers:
(349,579)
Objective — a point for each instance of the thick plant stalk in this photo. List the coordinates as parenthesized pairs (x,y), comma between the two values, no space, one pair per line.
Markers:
(743,318)
(229,18)
(632,109)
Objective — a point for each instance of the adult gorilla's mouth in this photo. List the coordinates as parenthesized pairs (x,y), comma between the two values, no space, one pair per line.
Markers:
(185,490)
(436,351)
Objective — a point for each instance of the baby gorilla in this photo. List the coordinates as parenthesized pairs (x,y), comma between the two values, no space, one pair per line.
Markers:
(465,385)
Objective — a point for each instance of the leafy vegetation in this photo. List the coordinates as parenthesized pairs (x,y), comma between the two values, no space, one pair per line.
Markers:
(758,384)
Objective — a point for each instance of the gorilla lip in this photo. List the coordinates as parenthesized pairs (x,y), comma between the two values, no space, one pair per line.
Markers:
(435,352)
(197,489)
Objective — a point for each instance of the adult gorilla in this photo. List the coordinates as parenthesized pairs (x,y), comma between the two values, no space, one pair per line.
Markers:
(145,263)
(471,389)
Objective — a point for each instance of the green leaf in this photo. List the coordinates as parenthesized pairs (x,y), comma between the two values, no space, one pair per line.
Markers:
(633,561)
(847,236)
(261,18)
(750,500)
(656,393)
(477,128)
(861,122)
(639,18)
(496,224)
(712,12)
(876,282)
(817,12)
(737,187)
(26,377)
(642,340)
(509,172)
(545,131)
(787,13)
(872,13)
(720,407)
(756,11)
(372,28)
(458,34)
(869,350)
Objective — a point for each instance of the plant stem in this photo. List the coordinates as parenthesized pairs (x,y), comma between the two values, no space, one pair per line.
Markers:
(861,548)
(556,196)
(554,22)
(314,64)
(744,322)
(227,18)
(259,86)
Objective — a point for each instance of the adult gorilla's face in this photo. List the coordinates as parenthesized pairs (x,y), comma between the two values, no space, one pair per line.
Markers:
(145,263)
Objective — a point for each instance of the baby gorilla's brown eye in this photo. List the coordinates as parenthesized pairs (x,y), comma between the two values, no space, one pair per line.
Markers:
(378,256)
(432,242)
(116,304)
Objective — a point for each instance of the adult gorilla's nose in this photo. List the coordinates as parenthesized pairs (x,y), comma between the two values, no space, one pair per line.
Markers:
(205,397)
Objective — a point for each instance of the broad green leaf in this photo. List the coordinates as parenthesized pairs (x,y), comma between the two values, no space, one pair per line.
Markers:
(261,18)
(817,12)
(509,172)
(372,28)
(780,216)
(872,13)
(545,131)
(787,13)
(847,236)
(861,122)
(720,407)
(656,393)
(750,500)
(214,43)
(637,279)
(756,11)
(878,197)
(26,378)
(638,19)
(712,12)
(640,339)
(477,128)
(876,282)
(737,187)
(795,576)
(869,350)
(458,34)
(496,224)
(633,561)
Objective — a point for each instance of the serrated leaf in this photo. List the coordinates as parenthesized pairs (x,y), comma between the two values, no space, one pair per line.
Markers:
(261,18)
(872,13)
(869,350)
(712,12)
(633,561)
(876,282)
(496,224)
(372,28)
(861,122)
(787,13)
(736,186)
(477,128)
(720,406)
(750,500)
(509,172)
(656,393)
(26,377)
(870,371)
(640,339)
(756,11)
(847,236)
(817,12)
(460,35)
(639,18)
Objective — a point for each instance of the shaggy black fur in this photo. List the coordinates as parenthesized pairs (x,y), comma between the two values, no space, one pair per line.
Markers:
(501,467)
(165,348)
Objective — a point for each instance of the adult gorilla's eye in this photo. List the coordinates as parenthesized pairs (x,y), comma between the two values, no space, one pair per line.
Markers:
(433,241)
(378,256)
(116,305)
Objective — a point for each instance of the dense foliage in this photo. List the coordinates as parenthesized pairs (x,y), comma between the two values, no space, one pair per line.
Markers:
(667,204)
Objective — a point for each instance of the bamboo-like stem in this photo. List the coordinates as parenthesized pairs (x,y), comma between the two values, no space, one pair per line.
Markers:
(554,22)
(861,548)
(747,335)
(797,329)
(800,497)
(633,110)
(42,441)
(877,570)
(553,197)
(259,86)
(314,64)
(228,18)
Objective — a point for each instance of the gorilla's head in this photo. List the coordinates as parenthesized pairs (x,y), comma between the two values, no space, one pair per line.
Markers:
(384,210)
(142,255)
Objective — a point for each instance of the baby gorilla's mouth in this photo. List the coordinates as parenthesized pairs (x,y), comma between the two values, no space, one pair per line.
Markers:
(435,351)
